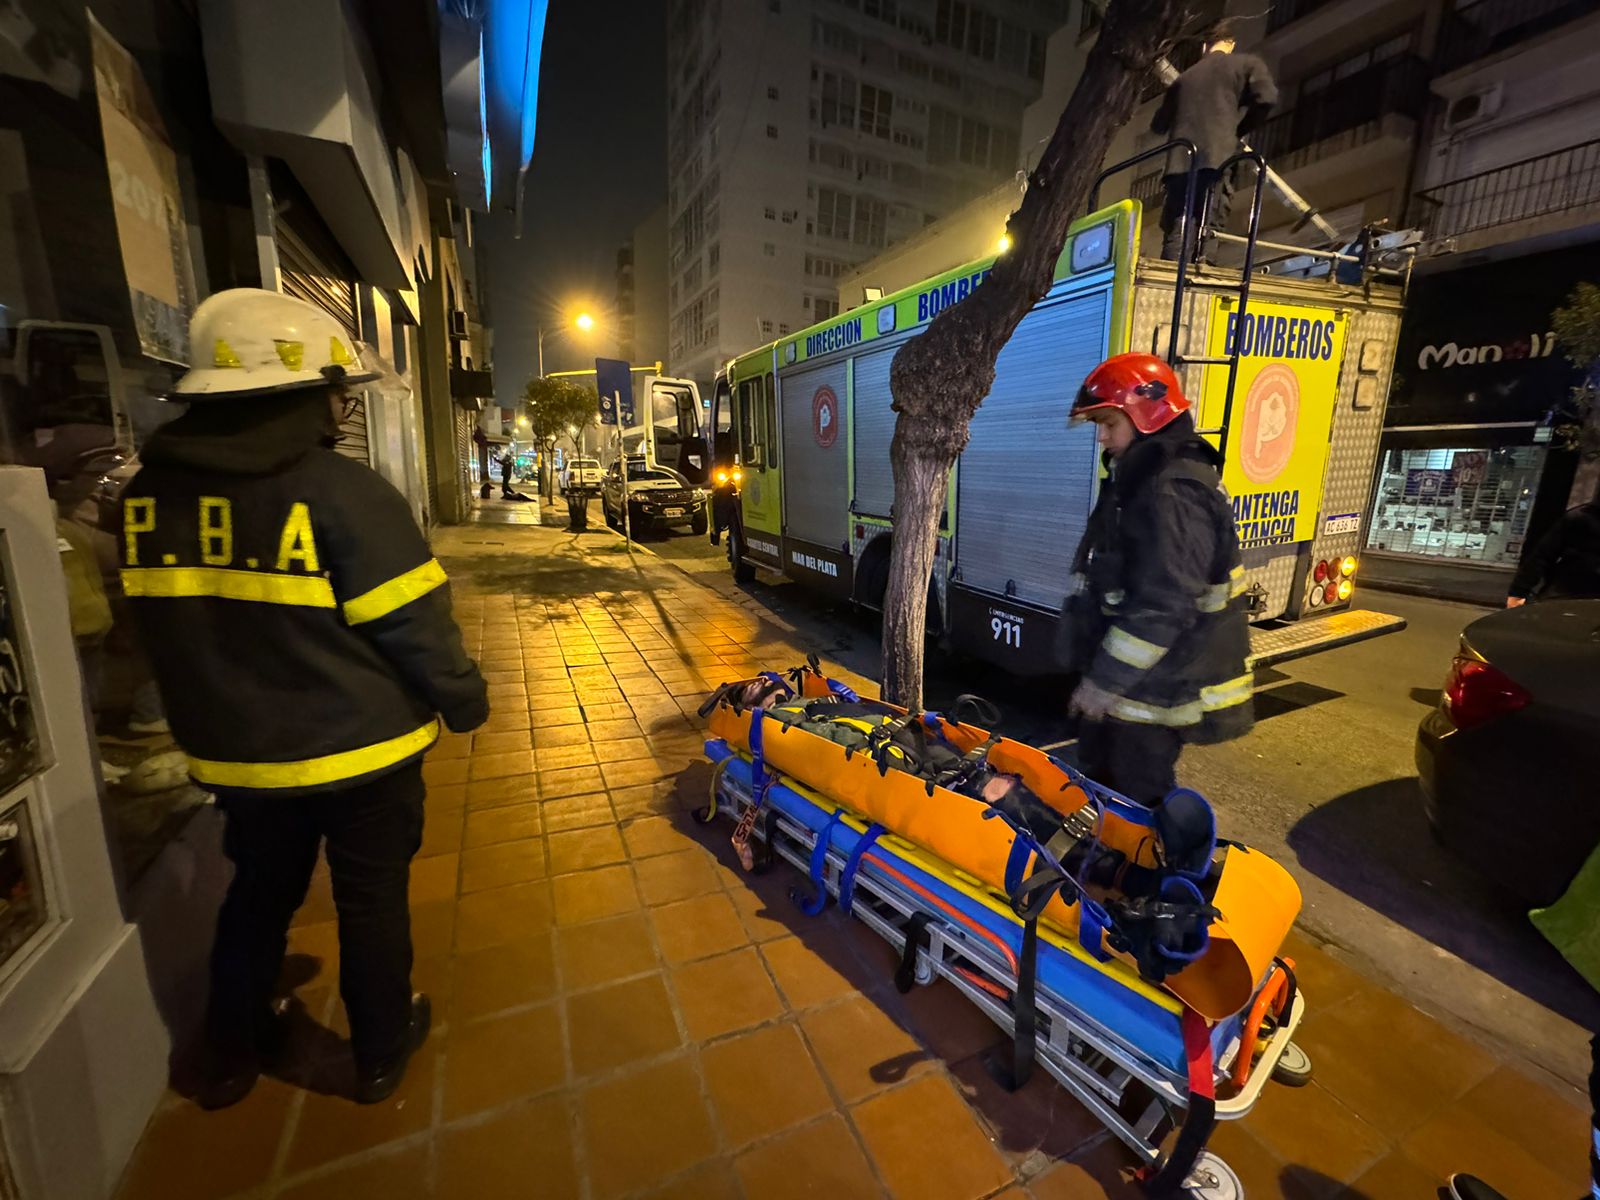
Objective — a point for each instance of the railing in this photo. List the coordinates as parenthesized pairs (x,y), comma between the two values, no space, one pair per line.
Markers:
(1534,187)
(1286,11)
(1487,26)
(1398,86)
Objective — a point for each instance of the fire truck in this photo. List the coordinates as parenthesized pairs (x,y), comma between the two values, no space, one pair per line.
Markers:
(1289,374)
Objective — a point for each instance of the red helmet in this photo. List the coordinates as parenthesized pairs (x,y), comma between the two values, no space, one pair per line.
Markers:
(1141,385)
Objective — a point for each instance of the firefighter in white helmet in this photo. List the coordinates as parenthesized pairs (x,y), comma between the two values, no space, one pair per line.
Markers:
(301,632)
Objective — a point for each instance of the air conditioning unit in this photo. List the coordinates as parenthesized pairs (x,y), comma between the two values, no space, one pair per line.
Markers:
(458,324)
(1475,108)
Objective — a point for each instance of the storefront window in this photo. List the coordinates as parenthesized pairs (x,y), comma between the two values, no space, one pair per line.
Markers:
(1466,504)
(22,906)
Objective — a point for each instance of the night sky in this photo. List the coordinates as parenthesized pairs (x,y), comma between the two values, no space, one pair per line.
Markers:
(599,166)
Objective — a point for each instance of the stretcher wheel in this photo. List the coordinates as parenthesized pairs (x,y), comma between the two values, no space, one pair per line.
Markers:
(1294,1068)
(1211,1179)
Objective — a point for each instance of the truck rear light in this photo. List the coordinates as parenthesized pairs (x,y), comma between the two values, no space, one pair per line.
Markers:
(1347,588)
(1315,597)
(1330,594)
(1347,568)
(1476,692)
(1321,573)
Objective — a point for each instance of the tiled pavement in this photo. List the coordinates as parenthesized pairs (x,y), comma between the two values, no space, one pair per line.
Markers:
(620,1012)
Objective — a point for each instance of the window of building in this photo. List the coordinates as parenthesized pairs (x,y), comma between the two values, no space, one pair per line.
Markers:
(1468,504)
(769,213)
(713,257)
(911,66)
(691,276)
(805,303)
(871,219)
(833,213)
(837,100)
(1352,64)
(945,77)
(766,328)
(772,93)
(883,10)
(877,105)
(772,131)
(769,249)
(822,309)
(1091,19)
(783,329)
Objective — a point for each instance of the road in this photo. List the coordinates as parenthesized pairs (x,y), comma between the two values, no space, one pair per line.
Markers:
(1326,784)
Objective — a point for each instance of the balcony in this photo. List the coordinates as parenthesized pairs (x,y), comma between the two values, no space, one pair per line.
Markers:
(1285,12)
(1353,107)
(1486,27)
(1534,189)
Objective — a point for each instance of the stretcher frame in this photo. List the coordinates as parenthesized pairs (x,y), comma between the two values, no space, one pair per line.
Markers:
(1097,1066)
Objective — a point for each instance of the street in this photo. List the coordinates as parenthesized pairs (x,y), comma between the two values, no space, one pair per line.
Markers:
(1326,784)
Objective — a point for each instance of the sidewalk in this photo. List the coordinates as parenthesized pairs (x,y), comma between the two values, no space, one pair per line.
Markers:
(621,1012)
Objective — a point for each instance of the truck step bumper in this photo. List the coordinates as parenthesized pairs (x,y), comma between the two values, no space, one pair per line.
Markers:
(1308,636)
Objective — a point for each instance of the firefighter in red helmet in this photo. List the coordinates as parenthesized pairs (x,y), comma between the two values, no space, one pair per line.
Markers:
(1154,623)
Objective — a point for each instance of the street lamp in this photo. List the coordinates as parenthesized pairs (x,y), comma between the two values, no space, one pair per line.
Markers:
(583,322)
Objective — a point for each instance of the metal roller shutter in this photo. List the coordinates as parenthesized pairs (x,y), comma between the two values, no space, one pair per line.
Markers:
(872,431)
(815,461)
(1026,480)
(308,275)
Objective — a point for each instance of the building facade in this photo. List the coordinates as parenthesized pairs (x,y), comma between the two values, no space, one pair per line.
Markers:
(152,155)
(806,136)
(641,302)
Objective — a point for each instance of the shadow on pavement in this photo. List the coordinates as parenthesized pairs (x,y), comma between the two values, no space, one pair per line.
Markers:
(1374,845)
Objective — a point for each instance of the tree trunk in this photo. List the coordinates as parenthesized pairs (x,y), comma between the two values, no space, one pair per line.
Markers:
(941,377)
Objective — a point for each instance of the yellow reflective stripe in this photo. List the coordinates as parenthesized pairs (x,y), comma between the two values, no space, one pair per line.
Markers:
(1153,714)
(1215,598)
(1226,695)
(397,593)
(1237,579)
(1135,651)
(263,587)
(312,772)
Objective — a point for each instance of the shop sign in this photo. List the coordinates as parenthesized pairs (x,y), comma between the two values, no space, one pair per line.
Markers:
(148,202)
(1284,398)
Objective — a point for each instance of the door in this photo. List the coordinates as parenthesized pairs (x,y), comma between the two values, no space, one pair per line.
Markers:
(816,454)
(762,497)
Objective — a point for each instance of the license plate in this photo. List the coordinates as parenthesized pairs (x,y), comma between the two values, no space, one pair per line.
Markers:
(672,512)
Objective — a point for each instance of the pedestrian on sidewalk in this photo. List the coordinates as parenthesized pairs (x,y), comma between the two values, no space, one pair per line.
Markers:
(1155,623)
(1572,926)
(1565,563)
(1212,104)
(301,633)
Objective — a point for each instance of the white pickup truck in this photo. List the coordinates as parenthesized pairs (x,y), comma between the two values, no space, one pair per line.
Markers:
(582,474)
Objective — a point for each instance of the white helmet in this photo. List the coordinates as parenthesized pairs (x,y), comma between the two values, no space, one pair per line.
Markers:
(247,341)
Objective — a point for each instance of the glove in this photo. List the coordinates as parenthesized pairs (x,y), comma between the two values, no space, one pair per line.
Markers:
(1515,601)
(1090,701)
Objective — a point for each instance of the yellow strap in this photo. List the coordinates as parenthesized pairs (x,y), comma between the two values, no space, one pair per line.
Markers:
(263,587)
(313,772)
(1134,651)
(397,593)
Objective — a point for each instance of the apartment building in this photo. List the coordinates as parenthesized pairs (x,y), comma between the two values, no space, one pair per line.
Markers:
(805,136)
(641,301)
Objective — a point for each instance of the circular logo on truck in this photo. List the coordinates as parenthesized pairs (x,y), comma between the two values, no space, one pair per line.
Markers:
(1271,415)
(825,417)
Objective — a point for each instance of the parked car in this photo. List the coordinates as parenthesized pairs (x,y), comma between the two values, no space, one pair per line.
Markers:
(1509,759)
(658,498)
(583,473)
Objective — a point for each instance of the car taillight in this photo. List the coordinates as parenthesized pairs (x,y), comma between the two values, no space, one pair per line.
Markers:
(1476,692)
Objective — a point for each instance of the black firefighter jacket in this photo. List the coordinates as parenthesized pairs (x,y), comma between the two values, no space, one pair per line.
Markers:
(299,626)
(1157,612)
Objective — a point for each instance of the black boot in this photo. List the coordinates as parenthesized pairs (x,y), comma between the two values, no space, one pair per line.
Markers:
(376,1084)
(231,1068)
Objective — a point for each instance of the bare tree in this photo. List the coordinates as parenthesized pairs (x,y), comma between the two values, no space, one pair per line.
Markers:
(940,377)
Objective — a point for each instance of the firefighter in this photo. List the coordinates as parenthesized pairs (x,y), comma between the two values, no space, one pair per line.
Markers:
(1212,104)
(301,632)
(1155,623)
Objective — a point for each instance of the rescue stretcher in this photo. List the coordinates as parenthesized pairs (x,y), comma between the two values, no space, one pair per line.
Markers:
(1142,1061)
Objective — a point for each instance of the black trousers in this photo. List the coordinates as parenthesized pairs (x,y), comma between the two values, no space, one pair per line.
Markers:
(371,831)
(1207,180)
(1140,761)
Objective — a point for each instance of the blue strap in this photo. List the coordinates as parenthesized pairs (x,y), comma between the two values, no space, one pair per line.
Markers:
(779,680)
(1017,863)
(1093,921)
(847,880)
(1114,802)
(758,763)
(1175,887)
(844,693)
(819,861)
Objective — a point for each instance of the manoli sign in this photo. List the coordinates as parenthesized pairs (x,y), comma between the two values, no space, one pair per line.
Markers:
(1443,357)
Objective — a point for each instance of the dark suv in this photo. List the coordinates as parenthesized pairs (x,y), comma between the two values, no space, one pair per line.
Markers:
(658,498)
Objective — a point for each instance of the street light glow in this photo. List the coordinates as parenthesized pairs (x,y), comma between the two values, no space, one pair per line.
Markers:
(584,322)
(523,422)
(1005,242)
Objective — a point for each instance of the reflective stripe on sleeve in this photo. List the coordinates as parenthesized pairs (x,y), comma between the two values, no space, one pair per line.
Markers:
(1227,695)
(1216,597)
(397,593)
(313,772)
(262,587)
(1134,651)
